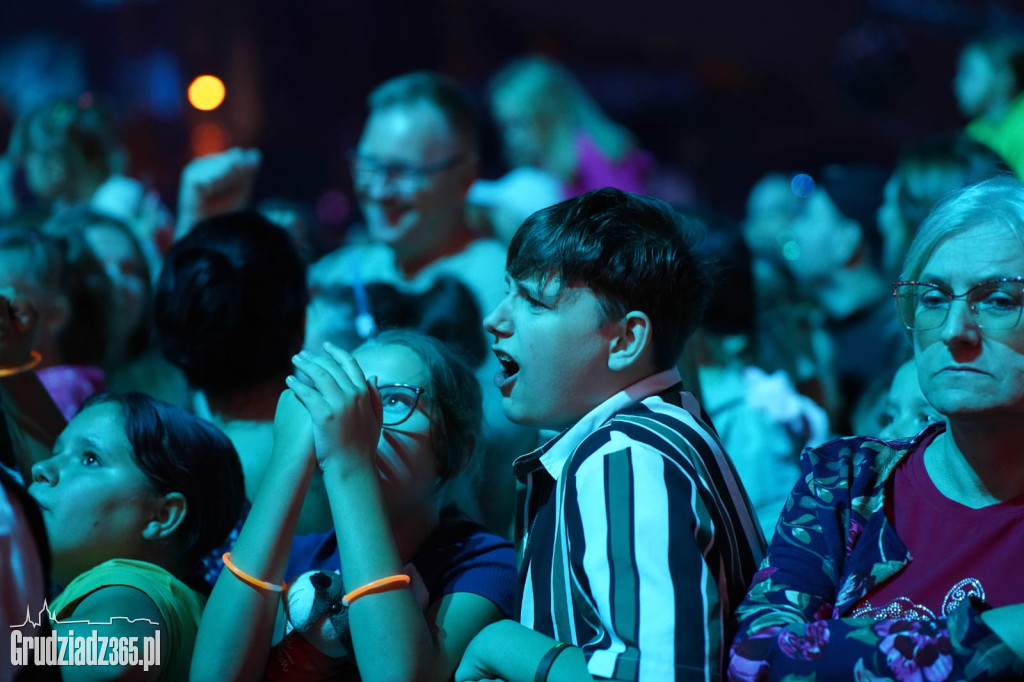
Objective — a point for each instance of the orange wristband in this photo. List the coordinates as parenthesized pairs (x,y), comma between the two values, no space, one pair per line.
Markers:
(392,582)
(34,360)
(246,578)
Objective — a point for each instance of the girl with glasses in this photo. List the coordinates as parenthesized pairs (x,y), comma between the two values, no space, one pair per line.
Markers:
(900,559)
(387,426)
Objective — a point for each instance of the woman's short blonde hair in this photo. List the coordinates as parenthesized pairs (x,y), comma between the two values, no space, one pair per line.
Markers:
(996,201)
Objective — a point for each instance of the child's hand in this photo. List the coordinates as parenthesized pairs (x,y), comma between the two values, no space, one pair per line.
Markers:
(19,322)
(344,407)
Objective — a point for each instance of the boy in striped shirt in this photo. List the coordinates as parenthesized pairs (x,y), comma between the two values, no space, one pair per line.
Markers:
(638,540)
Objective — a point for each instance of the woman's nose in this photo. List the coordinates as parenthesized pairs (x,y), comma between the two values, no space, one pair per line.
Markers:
(961,326)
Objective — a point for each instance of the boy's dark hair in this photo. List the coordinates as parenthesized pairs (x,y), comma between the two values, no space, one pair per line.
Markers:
(231,302)
(633,252)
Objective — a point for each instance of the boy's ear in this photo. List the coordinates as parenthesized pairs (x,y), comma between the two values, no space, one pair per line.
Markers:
(169,514)
(632,339)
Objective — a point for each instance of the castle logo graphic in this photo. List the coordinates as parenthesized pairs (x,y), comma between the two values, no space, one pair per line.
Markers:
(90,647)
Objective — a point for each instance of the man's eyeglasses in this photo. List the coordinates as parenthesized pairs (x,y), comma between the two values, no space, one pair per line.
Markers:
(995,304)
(403,177)
(399,402)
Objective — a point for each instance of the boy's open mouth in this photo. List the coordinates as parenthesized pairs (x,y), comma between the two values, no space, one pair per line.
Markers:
(509,369)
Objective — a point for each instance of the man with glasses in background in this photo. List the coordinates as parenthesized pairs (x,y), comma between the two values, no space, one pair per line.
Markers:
(414,164)
(416,160)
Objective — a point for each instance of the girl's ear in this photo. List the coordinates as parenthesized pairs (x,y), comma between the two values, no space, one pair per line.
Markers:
(170,512)
(627,347)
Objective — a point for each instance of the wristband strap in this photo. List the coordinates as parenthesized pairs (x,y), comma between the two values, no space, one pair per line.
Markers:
(548,660)
(34,360)
(246,578)
(392,582)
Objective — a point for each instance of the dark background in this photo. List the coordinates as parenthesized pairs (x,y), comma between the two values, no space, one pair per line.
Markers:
(720,91)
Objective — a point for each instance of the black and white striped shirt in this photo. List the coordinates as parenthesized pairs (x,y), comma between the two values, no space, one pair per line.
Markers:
(641,541)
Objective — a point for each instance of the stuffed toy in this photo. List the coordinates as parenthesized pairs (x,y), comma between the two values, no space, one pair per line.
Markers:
(314,610)
(317,644)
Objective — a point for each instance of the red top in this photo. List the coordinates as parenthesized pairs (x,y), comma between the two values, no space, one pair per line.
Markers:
(950,545)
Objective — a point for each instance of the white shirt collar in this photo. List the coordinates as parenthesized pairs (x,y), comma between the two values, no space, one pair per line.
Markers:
(561,447)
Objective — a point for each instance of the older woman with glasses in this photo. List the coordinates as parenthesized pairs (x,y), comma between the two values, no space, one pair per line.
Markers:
(421,582)
(901,560)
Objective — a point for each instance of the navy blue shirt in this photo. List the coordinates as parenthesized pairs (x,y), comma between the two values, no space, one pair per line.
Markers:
(459,556)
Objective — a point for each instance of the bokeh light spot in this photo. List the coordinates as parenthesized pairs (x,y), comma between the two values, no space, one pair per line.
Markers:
(206,93)
(802,185)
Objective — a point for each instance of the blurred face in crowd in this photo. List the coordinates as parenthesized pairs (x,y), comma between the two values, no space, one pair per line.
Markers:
(411,174)
(823,239)
(126,267)
(16,271)
(977,82)
(44,172)
(523,134)
(906,411)
(967,371)
(20,270)
(895,239)
(771,207)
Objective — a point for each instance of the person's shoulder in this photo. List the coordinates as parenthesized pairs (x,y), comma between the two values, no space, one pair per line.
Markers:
(463,556)
(480,254)
(652,425)
(487,247)
(662,412)
(373,260)
(114,604)
(132,590)
(142,576)
(861,455)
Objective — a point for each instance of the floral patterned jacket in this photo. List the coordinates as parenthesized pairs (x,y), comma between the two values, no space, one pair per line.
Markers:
(833,545)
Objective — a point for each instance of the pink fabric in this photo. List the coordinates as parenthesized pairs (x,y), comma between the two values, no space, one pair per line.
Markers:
(71,385)
(951,546)
(595,170)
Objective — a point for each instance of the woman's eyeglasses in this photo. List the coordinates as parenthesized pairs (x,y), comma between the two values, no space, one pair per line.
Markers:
(399,402)
(995,304)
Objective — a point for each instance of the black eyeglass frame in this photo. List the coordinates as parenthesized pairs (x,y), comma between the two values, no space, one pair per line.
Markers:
(391,170)
(418,391)
(953,297)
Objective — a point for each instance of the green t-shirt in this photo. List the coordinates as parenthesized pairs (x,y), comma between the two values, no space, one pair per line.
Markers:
(1005,138)
(180,606)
